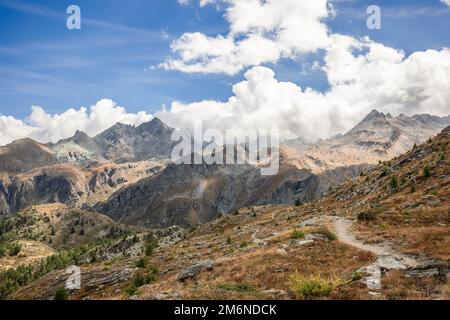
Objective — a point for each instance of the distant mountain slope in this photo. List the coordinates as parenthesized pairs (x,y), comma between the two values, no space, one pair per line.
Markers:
(189,195)
(377,137)
(120,143)
(86,171)
(70,184)
(23,155)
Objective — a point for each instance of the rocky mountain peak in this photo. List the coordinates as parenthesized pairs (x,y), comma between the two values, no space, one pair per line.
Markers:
(155,126)
(80,137)
(374,115)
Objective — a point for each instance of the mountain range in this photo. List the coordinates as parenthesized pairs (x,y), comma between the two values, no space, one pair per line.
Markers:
(383,234)
(125,171)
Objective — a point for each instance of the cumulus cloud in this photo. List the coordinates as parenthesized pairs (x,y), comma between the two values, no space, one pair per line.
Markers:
(447,2)
(259,32)
(45,127)
(362,74)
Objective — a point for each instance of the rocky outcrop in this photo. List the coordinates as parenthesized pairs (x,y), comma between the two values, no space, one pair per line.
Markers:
(195,270)
(92,279)
(45,186)
(122,143)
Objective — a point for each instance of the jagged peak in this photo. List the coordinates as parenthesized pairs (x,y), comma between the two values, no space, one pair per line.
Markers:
(154,124)
(80,134)
(120,125)
(374,114)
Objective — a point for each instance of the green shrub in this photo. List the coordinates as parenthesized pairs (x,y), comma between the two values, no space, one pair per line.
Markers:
(244,244)
(298,203)
(427,171)
(140,280)
(61,294)
(237,287)
(14,249)
(150,246)
(295,234)
(367,216)
(2,250)
(394,183)
(311,287)
(413,188)
(357,275)
(141,263)
(327,233)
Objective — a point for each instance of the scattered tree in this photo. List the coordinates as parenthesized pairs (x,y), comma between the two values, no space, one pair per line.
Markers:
(61,294)
(427,171)
(394,183)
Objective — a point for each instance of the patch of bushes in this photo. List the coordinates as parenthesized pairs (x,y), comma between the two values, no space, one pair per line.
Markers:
(413,188)
(357,275)
(151,246)
(244,244)
(141,263)
(394,183)
(11,279)
(367,216)
(296,234)
(61,294)
(140,280)
(237,287)
(311,287)
(9,248)
(327,233)
(298,203)
(427,171)
(14,249)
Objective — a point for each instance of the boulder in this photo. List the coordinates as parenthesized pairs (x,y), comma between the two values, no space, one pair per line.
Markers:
(195,269)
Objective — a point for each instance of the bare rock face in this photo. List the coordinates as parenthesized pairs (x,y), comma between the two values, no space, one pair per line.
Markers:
(120,143)
(189,195)
(195,270)
(91,279)
(123,143)
(42,186)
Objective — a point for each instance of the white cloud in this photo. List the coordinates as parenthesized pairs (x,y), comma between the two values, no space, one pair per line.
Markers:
(363,75)
(275,29)
(45,127)
(447,2)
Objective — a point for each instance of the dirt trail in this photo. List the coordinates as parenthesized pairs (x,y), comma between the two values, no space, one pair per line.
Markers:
(387,257)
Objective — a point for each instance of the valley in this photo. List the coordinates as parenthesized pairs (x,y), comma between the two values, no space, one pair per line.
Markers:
(377,196)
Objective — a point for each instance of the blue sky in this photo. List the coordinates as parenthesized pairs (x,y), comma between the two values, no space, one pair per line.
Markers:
(43,63)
